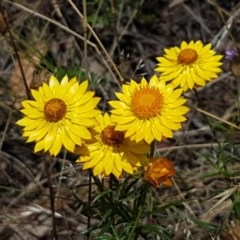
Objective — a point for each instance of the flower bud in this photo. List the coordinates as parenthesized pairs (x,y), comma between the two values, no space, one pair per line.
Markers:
(158,171)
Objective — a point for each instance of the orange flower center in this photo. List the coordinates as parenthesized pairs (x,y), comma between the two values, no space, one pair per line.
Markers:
(147,103)
(187,56)
(111,137)
(55,110)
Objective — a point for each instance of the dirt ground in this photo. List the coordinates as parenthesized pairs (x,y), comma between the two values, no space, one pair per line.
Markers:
(133,33)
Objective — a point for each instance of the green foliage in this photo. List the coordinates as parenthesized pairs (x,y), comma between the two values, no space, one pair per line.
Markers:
(122,208)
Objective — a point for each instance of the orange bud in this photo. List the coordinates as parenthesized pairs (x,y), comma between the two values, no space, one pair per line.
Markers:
(158,171)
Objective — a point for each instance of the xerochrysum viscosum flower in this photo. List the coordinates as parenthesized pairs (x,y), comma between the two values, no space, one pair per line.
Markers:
(190,65)
(59,115)
(148,111)
(110,151)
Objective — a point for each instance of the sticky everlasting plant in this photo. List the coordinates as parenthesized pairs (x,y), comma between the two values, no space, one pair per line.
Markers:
(149,110)
(59,115)
(110,151)
(117,147)
(190,65)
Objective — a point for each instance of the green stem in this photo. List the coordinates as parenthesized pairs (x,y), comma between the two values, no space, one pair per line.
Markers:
(130,237)
(114,233)
(89,203)
(152,149)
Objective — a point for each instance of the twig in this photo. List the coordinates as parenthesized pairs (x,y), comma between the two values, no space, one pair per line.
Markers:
(194,146)
(218,118)
(99,42)
(55,4)
(85,29)
(124,30)
(5,129)
(51,193)
(34,13)
(15,51)
(183,198)
(89,202)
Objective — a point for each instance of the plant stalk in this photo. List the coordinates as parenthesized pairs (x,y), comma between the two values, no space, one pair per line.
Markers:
(48,169)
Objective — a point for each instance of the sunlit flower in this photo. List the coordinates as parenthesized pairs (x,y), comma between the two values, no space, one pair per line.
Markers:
(148,111)
(110,151)
(159,171)
(59,115)
(190,65)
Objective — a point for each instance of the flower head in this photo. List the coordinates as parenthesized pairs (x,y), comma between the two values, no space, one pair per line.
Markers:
(110,151)
(190,65)
(59,115)
(148,111)
(158,171)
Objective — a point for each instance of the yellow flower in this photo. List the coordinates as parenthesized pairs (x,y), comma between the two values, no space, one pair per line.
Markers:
(158,171)
(60,114)
(148,111)
(190,65)
(110,151)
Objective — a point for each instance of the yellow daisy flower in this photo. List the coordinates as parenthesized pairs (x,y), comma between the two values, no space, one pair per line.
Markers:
(148,111)
(110,151)
(190,65)
(60,114)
